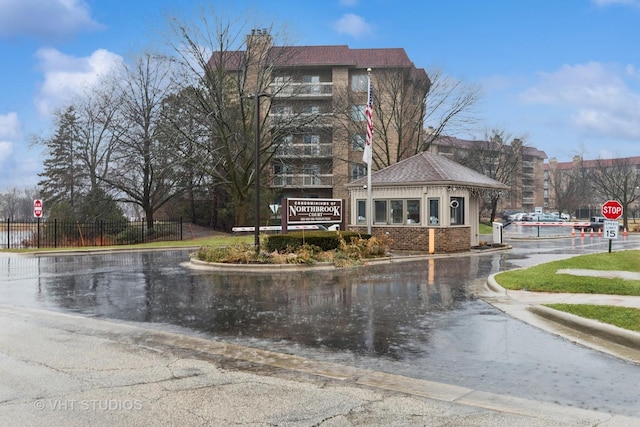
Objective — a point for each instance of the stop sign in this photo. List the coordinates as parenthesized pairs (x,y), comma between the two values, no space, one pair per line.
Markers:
(37,208)
(612,209)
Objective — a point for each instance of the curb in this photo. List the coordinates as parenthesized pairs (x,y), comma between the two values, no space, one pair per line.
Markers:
(605,331)
(593,328)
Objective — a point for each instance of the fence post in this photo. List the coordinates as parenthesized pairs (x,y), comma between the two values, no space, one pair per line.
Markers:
(180,228)
(8,233)
(55,232)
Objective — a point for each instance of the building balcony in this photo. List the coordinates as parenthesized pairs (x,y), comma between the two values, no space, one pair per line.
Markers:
(305,150)
(298,120)
(302,180)
(306,90)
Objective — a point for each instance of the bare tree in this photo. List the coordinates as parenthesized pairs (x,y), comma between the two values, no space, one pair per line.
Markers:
(143,165)
(225,76)
(97,129)
(499,156)
(617,179)
(450,107)
(17,204)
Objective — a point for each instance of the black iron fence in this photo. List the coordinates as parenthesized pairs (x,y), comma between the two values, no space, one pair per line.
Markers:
(54,233)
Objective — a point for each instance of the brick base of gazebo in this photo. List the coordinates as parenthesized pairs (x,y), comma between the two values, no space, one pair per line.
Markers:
(406,238)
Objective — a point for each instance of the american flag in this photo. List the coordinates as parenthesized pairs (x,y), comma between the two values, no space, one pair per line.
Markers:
(368,112)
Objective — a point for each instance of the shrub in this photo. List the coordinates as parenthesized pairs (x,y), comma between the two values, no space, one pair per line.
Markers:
(130,235)
(344,254)
(325,240)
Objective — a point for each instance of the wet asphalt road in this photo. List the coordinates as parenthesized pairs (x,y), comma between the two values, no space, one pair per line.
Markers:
(419,319)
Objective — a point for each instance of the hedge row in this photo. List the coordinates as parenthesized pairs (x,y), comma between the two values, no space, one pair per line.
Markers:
(325,240)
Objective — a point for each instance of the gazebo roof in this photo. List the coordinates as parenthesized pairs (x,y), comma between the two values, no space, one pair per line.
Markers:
(432,169)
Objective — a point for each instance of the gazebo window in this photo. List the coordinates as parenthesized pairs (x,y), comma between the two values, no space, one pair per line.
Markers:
(380,215)
(397,213)
(413,211)
(434,211)
(456,204)
(362,211)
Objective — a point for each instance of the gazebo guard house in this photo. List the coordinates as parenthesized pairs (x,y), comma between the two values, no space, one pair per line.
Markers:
(424,203)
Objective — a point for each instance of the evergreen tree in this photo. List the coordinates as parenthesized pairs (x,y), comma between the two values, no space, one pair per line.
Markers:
(62,179)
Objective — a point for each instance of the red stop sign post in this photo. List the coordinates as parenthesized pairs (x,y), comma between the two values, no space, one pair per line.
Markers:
(612,209)
(37,208)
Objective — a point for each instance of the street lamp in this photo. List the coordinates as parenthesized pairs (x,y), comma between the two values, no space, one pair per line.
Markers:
(256,230)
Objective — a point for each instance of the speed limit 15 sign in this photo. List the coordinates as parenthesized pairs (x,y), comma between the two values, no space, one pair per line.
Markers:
(610,229)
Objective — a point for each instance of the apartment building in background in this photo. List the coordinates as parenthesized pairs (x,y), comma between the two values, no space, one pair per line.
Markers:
(317,98)
(583,200)
(527,190)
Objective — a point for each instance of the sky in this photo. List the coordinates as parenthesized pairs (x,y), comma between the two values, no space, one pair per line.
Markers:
(563,75)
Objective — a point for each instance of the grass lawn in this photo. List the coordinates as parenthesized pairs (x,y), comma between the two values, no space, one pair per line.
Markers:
(218,240)
(543,277)
(485,229)
(622,317)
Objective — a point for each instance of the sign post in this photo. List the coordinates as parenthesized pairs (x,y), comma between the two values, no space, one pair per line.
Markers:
(37,213)
(37,208)
(612,210)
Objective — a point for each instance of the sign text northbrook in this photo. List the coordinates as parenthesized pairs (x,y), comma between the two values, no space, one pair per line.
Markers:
(301,211)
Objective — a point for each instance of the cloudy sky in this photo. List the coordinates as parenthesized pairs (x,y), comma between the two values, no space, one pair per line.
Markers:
(563,74)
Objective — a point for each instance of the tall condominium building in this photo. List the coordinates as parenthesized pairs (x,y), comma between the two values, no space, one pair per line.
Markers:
(314,103)
(527,185)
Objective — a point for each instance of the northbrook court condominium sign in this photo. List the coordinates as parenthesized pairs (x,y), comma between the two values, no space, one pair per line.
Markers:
(304,211)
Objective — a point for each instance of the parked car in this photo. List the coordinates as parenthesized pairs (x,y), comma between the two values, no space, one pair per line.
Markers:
(507,215)
(545,217)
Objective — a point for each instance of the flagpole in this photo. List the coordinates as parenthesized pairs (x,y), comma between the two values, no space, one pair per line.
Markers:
(369,193)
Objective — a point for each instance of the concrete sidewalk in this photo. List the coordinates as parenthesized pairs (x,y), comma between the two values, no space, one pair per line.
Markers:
(65,370)
(529,307)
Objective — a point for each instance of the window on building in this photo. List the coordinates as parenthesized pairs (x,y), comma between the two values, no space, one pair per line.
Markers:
(282,174)
(357,142)
(361,211)
(281,109)
(311,139)
(396,213)
(284,147)
(357,113)
(312,83)
(380,212)
(359,82)
(358,171)
(311,174)
(456,205)
(311,109)
(282,84)
(413,211)
(311,145)
(434,211)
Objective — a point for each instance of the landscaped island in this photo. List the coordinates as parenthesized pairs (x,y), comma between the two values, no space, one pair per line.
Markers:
(340,248)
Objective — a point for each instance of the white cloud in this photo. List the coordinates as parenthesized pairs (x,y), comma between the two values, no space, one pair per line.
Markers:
(45,19)
(597,98)
(353,25)
(66,76)
(6,150)
(10,126)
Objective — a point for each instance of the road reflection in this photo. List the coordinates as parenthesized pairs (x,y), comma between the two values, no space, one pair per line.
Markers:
(418,318)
